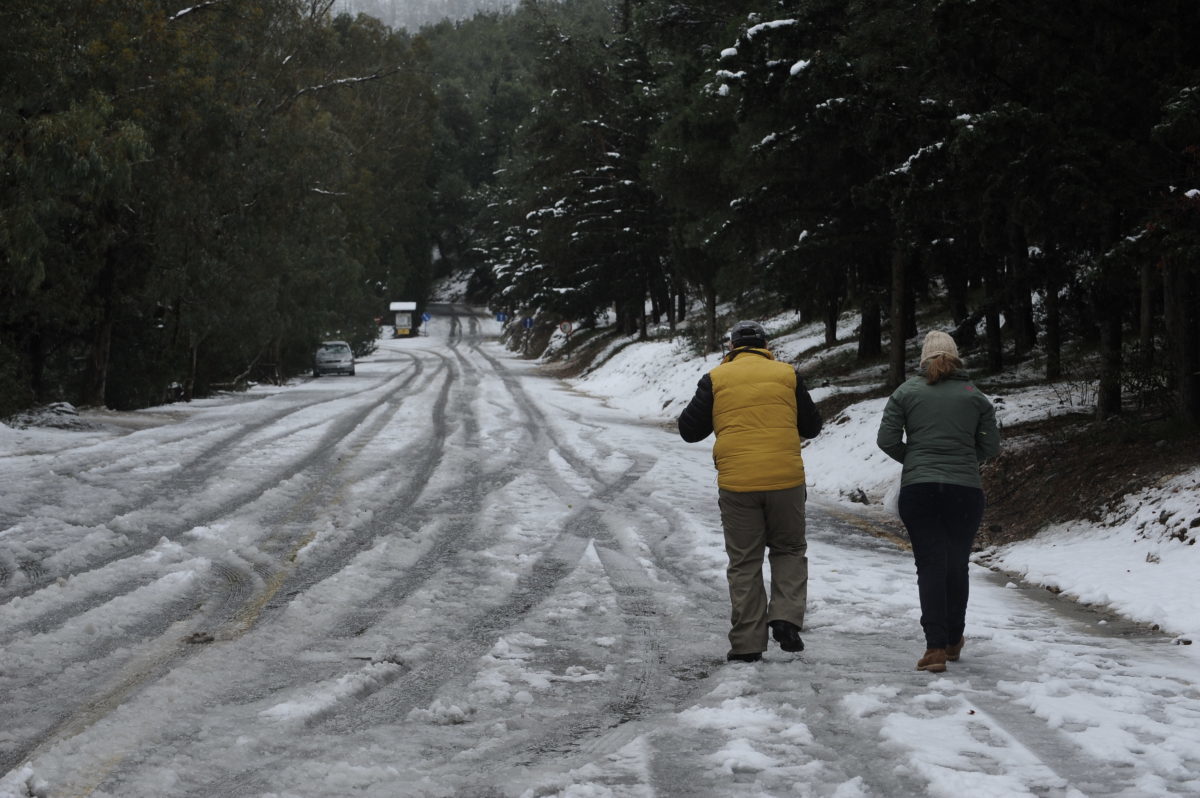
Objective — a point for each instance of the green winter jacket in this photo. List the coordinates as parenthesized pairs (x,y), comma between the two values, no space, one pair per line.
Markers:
(941,432)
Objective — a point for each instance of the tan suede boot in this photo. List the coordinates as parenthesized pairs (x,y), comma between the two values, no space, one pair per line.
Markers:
(955,649)
(934,660)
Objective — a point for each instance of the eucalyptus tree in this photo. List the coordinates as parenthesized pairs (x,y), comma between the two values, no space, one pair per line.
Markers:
(191,190)
(68,240)
(389,195)
(254,252)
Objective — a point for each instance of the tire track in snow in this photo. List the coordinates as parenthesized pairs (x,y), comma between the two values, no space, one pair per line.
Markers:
(532,589)
(459,657)
(271,600)
(559,558)
(642,684)
(645,683)
(60,698)
(419,469)
(228,595)
(181,480)
(208,468)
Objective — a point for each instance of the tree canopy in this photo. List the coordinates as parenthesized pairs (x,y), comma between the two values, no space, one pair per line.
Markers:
(196,194)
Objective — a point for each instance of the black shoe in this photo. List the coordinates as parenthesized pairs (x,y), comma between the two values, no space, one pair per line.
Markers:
(753,656)
(787,635)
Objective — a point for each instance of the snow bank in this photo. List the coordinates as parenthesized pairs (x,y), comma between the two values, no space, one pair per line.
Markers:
(1140,561)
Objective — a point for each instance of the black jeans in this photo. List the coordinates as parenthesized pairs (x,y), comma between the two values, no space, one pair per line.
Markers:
(942,521)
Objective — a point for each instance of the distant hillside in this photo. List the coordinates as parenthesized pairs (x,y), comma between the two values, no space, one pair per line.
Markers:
(412,14)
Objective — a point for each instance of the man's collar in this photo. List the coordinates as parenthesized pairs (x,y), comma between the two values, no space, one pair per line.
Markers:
(760,351)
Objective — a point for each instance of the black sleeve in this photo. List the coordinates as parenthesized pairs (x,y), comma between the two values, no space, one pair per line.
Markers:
(808,418)
(695,422)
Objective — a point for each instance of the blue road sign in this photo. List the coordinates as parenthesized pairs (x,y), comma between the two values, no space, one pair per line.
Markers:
(501,317)
(528,322)
(426,317)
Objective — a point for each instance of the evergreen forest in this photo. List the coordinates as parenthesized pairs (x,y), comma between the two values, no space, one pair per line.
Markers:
(196,193)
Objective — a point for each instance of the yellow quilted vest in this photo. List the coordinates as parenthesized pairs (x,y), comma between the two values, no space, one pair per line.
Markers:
(754,416)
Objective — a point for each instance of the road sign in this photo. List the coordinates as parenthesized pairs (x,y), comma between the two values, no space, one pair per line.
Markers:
(528,323)
(501,317)
(425,316)
(565,327)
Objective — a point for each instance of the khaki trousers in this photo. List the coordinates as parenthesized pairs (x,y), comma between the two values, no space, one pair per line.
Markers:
(753,523)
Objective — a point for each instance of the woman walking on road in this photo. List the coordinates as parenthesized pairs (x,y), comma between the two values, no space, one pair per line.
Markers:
(941,428)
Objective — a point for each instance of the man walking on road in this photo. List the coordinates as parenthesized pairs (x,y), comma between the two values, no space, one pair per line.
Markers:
(760,411)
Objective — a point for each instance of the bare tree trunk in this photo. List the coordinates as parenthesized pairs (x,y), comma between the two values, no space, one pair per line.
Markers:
(1182,330)
(37,363)
(95,385)
(870,332)
(1146,316)
(710,318)
(831,318)
(669,307)
(96,380)
(991,315)
(680,298)
(910,304)
(1108,395)
(1053,331)
(896,348)
(1020,294)
(956,290)
(277,356)
(189,384)
(1109,297)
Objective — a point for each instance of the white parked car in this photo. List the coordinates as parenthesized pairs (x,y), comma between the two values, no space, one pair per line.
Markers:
(333,357)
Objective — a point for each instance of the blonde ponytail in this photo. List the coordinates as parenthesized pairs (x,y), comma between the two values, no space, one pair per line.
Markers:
(941,366)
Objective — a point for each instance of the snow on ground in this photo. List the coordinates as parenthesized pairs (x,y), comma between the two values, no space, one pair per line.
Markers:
(1141,559)
(1131,561)
(759,730)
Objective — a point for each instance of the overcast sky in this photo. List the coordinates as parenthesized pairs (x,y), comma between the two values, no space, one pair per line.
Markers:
(412,14)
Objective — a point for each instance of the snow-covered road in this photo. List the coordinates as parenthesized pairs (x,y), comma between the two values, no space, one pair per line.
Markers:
(451,575)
